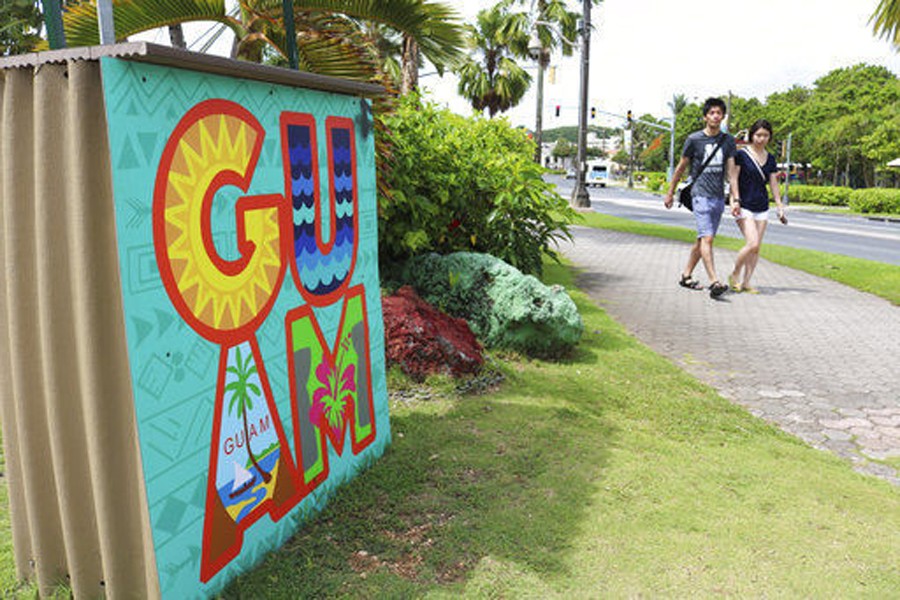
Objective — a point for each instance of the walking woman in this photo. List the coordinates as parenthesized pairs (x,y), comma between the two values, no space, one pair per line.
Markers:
(750,202)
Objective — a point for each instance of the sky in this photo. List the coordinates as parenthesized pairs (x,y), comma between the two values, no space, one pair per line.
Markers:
(645,51)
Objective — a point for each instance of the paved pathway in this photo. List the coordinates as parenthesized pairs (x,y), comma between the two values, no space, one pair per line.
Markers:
(824,359)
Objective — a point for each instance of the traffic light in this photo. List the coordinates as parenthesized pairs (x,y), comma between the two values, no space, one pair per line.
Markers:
(593,112)
(629,118)
(557,110)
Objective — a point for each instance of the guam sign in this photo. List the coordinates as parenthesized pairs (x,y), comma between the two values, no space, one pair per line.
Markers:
(246,223)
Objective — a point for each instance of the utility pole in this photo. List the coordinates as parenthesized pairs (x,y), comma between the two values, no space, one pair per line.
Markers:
(787,179)
(671,170)
(290,34)
(56,36)
(630,150)
(725,126)
(539,119)
(105,22)
(580,196)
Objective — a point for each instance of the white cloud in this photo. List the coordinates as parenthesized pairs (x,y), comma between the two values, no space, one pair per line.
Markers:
(644,51)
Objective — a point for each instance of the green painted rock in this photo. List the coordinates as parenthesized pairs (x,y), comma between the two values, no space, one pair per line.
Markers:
(504,308)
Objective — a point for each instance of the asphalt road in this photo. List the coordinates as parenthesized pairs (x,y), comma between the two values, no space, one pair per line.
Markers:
(871,239)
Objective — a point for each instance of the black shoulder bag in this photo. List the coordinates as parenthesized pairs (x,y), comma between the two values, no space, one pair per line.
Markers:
(684,196)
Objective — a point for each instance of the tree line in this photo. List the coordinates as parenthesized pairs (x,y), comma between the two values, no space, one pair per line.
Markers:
(846,126)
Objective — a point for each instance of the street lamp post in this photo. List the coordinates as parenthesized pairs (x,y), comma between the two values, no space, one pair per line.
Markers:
(580,196)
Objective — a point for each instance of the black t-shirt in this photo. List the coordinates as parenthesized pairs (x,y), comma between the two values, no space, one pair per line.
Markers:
(754,195)
(698,147)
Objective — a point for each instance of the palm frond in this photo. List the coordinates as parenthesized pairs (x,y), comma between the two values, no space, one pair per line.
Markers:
(135,16)
(886,22)
(435,26)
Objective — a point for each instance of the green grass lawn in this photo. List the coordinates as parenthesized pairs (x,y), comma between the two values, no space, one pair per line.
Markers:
(609,474)
(877,278)
(8,581)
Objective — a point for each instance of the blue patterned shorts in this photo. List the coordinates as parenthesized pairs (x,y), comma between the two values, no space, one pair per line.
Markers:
(708,213)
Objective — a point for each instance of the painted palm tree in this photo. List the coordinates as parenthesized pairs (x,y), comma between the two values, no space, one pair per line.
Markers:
(886,22)
(491,78)
(241,399)
(329,39)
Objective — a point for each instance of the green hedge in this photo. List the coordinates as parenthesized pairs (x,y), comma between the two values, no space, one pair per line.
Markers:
(876,200)
(866,200)
(820,194)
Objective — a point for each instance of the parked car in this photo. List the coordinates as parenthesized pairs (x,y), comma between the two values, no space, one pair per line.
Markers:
(570,173)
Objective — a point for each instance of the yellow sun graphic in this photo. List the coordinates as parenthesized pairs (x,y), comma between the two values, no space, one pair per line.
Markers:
(212,145)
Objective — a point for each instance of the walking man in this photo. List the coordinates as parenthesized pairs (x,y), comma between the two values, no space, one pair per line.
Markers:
(716,149)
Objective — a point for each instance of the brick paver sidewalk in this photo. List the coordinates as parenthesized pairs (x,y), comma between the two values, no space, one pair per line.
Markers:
(815,357)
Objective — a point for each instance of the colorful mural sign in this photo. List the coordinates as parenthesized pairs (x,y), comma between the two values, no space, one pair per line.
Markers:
(246,224)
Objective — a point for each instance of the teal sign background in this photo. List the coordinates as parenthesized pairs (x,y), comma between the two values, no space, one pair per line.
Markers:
(174,369)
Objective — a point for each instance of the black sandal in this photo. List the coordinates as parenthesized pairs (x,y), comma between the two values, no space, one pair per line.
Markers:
(687,281)
(717,288)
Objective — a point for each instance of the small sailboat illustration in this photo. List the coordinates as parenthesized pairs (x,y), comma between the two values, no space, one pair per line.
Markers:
(243,480)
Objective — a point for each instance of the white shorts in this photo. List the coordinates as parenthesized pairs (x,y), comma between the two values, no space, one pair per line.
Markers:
(756,216)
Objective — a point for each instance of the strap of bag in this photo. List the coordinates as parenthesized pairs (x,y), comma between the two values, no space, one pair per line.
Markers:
(756,164)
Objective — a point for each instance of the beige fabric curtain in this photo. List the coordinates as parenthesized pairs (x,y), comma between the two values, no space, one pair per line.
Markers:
(76,491)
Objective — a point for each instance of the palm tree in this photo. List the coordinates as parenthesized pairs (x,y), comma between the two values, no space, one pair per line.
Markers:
(410,74)
(679,101)
(329,39)
(886,22)
(240,395)
(553,26)
(20,23)
(490,78)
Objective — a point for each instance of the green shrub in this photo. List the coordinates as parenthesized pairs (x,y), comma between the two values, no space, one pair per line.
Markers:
(465,184)
(816,194)
(655,181)
(868,200)
(876,200)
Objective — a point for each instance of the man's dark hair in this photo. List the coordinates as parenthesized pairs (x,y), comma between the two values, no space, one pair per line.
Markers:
(711,102)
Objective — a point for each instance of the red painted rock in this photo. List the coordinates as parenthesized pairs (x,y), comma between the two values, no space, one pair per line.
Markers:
(423,340)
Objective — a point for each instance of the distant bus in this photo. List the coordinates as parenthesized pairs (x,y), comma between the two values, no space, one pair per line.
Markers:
(597,173)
